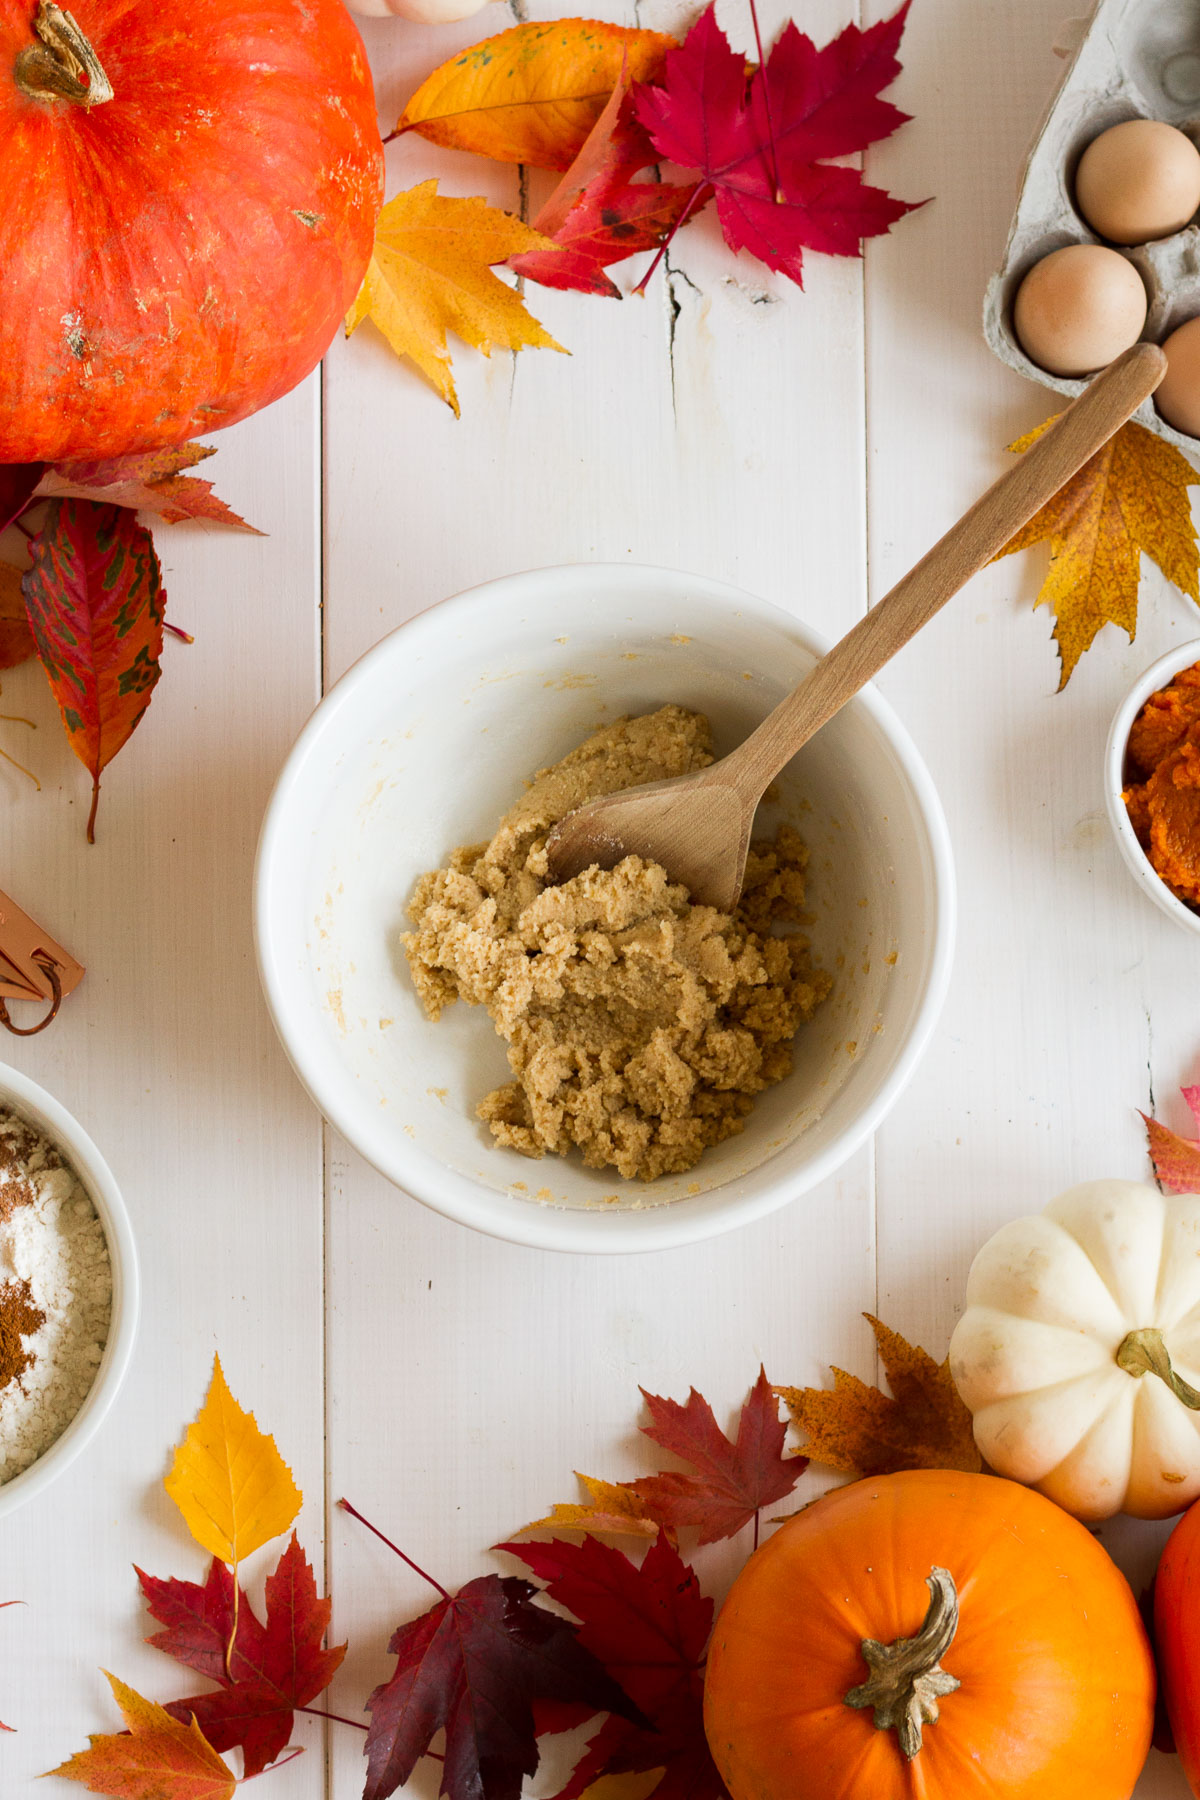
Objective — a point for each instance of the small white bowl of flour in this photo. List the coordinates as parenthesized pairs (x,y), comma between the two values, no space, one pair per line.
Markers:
(68,1289)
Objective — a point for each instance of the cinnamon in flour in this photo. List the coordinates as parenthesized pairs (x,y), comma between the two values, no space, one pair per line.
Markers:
(55,1295)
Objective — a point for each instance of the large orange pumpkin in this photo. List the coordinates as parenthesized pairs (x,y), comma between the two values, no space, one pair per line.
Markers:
(176,255)
(1032,1680)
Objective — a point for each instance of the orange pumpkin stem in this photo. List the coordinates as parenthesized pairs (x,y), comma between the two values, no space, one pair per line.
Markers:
(63,66)
(907,1679)
(1144,1353)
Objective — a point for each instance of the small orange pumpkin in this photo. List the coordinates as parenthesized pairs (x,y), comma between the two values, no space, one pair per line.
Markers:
(930,1634)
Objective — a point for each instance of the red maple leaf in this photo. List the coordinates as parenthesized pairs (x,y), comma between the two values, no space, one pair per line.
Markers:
(1176,1159)
(757,140)
(273,1668)
(826,102)
(733,1480)
(649,1626)
(598,214)
(475,1665)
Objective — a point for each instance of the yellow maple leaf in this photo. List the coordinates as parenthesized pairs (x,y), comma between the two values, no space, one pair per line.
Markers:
(532,93)
(855,1428)
(155,1758)
(430,273)
(613,1509)
(228,1479)
(1130,498)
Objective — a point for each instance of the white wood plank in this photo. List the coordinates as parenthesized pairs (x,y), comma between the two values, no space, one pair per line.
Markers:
(1071,996)
(166,1055)
(715,425)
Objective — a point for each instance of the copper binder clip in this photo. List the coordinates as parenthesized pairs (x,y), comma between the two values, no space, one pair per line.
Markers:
(32,967)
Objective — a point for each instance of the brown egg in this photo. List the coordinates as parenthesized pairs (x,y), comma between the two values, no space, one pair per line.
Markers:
(1078,308)
(1138,181)
(1178,394)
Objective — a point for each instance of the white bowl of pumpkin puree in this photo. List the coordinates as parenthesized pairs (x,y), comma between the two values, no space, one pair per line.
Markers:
(602,1066)
(1152,783)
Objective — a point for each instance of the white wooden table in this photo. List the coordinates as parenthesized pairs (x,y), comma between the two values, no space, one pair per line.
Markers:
(806,445)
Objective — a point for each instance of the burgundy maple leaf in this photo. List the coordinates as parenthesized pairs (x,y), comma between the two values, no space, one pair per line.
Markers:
(758,141)
(273,1668)
(17,484)
(649,1626)
(1176,1159)
(475,1665)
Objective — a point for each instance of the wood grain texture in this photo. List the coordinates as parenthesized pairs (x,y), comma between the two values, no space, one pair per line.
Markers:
(468,1378)
(1071,1001)
(799,444)
(166,1055)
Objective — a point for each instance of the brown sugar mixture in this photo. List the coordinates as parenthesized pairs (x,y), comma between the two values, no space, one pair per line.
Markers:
(640,1027)
(1163,801)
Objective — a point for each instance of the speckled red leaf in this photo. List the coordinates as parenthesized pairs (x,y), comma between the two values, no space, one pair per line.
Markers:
(474,1665)
(1176,1159)
(273,1668)
(17,484)
(732,1480)
(149,482)
(598,214)
(758,139)
(649,1626)
(95,602)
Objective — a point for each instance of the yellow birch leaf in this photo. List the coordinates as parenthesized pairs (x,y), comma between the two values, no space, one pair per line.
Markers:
(1130,498)
(430,273)
(229,1481)
(922,1424)
(613,1509)
(155,1758)
(532,94)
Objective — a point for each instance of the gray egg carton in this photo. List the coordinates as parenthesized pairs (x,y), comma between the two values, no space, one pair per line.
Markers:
(1131,59)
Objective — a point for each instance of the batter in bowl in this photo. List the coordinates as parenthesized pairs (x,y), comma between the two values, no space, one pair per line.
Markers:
(640,1027)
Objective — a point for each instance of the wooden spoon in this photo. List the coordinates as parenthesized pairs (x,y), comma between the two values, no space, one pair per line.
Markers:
(698,826)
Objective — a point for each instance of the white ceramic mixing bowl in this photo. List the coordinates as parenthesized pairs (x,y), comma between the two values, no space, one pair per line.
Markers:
(425,743)
(41,1110)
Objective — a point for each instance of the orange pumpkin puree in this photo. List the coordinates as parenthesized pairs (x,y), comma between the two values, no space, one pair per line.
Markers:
(1163,798)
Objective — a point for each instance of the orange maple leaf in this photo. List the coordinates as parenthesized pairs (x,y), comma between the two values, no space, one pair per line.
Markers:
(613,1510)
(154,1758)
(1130,498)
(853,1427)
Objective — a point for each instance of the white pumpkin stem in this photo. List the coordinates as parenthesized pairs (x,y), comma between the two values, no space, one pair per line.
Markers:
(907,1679)
(1144,1353)
(63,66)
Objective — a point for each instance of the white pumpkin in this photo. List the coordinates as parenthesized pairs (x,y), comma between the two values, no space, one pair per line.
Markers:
(1079,1350)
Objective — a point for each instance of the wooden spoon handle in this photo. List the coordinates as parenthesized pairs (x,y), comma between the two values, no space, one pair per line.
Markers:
(1086,425)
